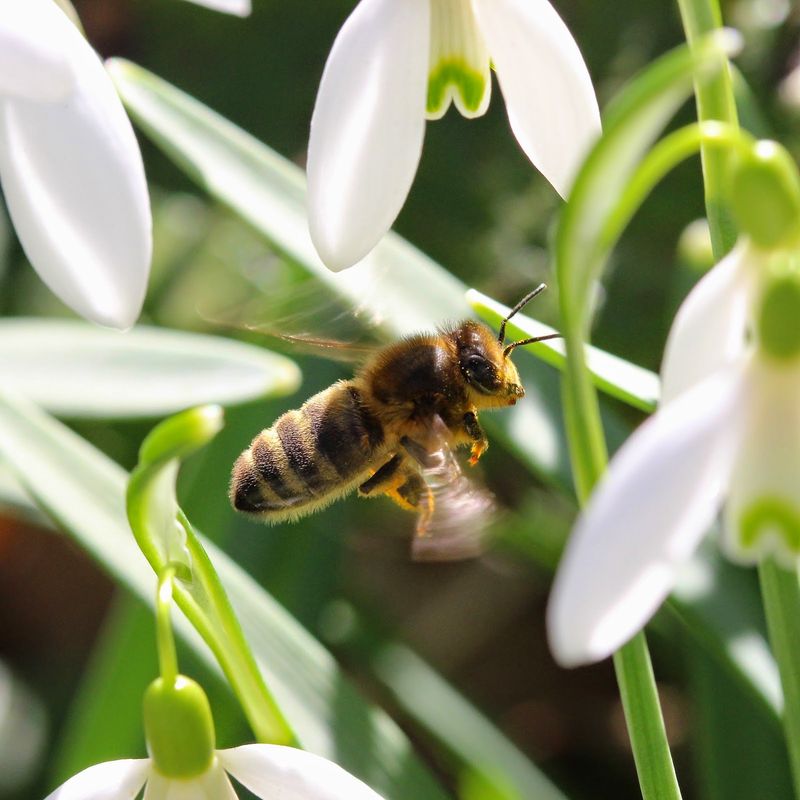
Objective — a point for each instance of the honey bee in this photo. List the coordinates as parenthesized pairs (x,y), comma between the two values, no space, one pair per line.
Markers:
(391,430)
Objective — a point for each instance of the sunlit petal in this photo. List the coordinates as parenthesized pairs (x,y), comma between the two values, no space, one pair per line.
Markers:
(548,92)
(709,328)
(762,514)
(74,184)
(661,492)
(33,63)
(239,7)
(111,780)
(272,771)
(367,127)
(459,61)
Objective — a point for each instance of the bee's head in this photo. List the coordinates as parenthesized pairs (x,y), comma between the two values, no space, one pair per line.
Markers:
(490,375)
(485,362)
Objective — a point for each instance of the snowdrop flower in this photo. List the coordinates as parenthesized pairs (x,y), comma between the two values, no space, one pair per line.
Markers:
(396,62)
(241,8)
(70,166)
(728,427)
(184,765)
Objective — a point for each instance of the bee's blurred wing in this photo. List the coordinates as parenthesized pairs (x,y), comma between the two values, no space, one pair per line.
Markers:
(305,318)
(455,523)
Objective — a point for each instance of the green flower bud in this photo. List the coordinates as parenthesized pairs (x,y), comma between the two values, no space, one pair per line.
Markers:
(178,728)
(765,195)
(779,317)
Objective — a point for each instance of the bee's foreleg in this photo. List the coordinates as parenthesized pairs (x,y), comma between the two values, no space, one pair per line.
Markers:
(478,438)
(386,477)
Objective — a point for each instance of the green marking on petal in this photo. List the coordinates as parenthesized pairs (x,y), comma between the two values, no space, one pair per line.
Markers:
(455,76)
(779,318)
(771,516)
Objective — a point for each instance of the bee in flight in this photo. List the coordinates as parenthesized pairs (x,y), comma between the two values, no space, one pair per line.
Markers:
(391,431)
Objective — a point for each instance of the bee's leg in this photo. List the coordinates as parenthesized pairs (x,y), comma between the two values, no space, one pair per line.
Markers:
(385,477)
(479,441)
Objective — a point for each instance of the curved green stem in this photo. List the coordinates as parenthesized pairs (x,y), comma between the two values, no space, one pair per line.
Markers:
(168,541)
(715,101)
(167,656)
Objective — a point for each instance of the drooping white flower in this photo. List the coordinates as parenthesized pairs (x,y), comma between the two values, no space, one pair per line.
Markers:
(70,167)
(269,771)
(241,8)
(396,62)
(727,433)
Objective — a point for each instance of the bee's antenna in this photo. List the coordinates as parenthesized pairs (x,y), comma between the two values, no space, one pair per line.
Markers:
(532,340)
(518,307)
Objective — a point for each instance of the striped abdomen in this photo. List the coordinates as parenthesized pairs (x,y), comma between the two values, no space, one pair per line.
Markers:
(309,457)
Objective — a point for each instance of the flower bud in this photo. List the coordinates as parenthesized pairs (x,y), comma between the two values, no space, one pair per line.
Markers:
(765,195)
(178,727)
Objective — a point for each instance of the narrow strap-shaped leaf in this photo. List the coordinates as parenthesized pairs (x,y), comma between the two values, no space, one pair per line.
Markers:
(74,369)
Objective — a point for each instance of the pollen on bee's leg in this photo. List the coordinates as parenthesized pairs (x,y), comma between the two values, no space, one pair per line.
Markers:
(459,61)
(478,449)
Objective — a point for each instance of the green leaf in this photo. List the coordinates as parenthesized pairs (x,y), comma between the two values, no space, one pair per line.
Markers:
(611,374)
(84,492)
(78,370)
(439,708)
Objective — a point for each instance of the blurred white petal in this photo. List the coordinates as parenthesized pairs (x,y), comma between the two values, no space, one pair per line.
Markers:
(239,7)
(74,184)
(271,771)
(33,63)
(367,127)
(458,68)
(661,492)
(111,780)
(763,507)
(709,328)
(548,92)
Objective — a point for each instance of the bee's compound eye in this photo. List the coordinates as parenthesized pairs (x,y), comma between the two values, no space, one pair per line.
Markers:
(481,373)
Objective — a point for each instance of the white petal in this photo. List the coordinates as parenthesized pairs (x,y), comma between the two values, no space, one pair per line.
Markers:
(548,92)
(239,7)
(367,127)
(644,519)
(765,487)
(271,771)
(33,61)
(111,780)
(211,785)
(709,328)
(74,184)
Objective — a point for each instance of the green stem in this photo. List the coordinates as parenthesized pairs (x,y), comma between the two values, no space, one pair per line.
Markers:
(780,591)
(635,678)
(715,101)
(637,688)
(167,656)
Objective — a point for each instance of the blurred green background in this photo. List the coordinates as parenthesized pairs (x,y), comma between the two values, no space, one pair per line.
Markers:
(477,207)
